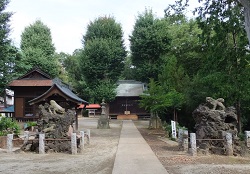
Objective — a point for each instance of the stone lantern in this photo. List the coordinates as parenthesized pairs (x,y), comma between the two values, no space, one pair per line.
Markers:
(103,121)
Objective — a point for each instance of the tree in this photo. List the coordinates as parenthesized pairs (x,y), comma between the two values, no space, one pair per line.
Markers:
(246,5)
(37,49)
(102,59)
(8,53)
(149,40)
(225,67)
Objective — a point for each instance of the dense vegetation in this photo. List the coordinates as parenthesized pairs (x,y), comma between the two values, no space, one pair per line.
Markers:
(182,59)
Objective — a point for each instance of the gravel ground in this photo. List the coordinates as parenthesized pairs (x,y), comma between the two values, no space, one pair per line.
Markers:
(98,157)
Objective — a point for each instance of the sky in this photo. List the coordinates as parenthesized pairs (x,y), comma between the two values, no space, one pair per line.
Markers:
(68,19)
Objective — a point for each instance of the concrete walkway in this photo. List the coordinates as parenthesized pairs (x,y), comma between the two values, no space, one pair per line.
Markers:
(134,156)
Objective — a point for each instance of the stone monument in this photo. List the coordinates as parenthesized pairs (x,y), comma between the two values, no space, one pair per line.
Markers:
(213,120)
(56,124)
(103,121)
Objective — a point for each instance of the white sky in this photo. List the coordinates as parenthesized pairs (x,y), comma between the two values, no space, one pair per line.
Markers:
(68,19)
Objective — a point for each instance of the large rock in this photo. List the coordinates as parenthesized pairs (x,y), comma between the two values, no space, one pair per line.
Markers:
(213,123)
(55,125)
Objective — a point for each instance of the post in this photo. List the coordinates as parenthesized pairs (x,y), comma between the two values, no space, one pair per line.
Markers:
(41,144)
(26,137)
(193,144)
(229,144)
(82,140)
(185,140)
(76,116)
(180,138)
(247,138)
(73,144)
(9,143)
(88,135)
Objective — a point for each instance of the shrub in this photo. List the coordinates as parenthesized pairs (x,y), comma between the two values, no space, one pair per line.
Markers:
(8,126)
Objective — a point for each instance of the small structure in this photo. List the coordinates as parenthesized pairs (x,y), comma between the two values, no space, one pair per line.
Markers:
(35,88)
(93,109)
(126,103)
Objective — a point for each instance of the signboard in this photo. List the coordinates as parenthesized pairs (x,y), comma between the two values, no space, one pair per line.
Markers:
(173,125)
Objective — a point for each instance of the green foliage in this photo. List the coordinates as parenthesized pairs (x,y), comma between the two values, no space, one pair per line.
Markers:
(104,28)
(149,40)
(31,123)
(161,100)
(38,50)
(8,126)
(8,53)
(102,59)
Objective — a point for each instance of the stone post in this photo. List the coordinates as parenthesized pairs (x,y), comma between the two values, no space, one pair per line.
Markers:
(185,140)
(180,138)
(247,138)
(26,137)
(193,150)
(82,140)
(73,144)
(9,143)
(229,144)
(88,135)
(41,144)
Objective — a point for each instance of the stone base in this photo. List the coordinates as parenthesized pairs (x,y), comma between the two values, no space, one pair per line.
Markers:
(127,117)
(103,122)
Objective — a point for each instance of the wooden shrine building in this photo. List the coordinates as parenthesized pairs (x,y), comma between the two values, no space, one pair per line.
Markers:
(126,103)
(35,88)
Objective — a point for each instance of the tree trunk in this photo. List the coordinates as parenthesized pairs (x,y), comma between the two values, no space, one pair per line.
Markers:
(239,116)
(246,5)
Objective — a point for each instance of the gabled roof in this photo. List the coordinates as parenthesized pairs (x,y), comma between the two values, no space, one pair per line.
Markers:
(32,74)
(129,88)
(35,77)
(62,89)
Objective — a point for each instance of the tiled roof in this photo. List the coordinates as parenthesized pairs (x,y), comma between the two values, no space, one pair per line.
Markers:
(129,88)
(64,88)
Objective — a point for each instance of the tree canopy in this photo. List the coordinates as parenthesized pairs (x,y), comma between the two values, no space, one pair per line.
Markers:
(102,58)
(8,53)
(37,49)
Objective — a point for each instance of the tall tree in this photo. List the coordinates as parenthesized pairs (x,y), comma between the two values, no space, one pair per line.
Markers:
(224,73)
(102,59)
(148,42)
(37,49)
(8,53)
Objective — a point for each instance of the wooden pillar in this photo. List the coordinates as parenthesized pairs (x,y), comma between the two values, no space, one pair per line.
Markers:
(76,115)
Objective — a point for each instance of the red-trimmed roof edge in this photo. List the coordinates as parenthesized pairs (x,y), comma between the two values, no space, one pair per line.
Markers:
(90,106)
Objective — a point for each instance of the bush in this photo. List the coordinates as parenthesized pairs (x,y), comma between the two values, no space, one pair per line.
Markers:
(8,126)
(31,123)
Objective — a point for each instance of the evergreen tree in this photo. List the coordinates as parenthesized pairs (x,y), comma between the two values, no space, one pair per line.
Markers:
(38,50)
(102,59)
(148,42)
(8,53)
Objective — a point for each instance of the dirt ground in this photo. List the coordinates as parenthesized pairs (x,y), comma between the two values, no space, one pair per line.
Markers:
(178,162)
(98,157)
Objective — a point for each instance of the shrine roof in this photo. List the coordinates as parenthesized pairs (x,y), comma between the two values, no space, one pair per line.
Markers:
(130,88)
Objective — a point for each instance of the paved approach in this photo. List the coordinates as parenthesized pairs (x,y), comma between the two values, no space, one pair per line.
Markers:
(134,156)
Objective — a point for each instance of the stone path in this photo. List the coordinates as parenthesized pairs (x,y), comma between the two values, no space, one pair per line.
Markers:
(134,154)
